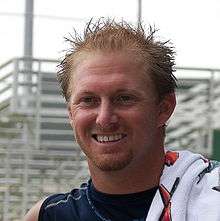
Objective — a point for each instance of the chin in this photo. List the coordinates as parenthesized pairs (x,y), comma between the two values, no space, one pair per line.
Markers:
(112,163)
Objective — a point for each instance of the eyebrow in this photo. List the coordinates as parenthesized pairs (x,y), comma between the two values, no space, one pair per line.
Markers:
(85,92)
(82,93)
(132,91)
(129,91)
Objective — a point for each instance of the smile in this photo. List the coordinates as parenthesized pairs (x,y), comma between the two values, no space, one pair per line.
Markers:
(108,138)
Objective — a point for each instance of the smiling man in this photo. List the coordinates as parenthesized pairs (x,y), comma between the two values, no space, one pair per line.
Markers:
(120,90)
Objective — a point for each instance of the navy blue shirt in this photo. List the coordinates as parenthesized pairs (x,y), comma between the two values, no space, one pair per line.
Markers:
(88,204)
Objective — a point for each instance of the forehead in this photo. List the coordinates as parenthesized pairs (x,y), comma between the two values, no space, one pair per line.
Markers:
(110,69)
(108,61)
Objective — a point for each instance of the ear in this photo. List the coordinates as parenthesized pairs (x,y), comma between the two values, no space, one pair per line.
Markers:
(167,106)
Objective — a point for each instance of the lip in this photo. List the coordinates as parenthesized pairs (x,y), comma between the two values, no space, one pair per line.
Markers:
(107,138)
(109,147)
(109,143)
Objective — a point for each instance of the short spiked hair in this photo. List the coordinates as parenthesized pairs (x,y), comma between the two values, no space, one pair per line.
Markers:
(107,35)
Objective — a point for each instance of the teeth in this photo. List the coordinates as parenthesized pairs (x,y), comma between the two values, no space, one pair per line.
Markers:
(105,138)
(111,138)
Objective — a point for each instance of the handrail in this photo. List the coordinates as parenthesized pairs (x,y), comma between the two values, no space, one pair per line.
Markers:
(6,76)
(6,63)
(198,69)
(37,59)
(58,60)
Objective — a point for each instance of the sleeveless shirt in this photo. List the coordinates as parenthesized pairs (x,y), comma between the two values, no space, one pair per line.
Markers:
(88,204)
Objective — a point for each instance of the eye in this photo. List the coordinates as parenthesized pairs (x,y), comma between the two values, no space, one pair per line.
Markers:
(125,99)
(89,101)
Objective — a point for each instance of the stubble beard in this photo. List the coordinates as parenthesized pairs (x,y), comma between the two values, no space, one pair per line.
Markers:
(105,162)
(112,163)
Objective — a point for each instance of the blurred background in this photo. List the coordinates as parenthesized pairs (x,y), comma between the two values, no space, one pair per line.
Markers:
(38,155)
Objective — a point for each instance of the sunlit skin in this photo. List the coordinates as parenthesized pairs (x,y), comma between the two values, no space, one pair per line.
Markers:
(112,97)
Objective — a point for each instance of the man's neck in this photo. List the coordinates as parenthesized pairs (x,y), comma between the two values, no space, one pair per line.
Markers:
(131,179)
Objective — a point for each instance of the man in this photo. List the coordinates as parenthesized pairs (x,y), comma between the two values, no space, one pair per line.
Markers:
(119,86)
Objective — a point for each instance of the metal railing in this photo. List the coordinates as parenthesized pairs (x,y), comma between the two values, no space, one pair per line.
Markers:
(36,141)
(197,112)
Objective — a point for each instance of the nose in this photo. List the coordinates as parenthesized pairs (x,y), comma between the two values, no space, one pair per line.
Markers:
(106,116)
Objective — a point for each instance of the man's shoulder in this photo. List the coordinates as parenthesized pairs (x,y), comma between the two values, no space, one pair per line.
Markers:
(209,178)
(204,199)
(60,199)
(63,206)
(195,180)
(33,213)
(186,157)
(191,169)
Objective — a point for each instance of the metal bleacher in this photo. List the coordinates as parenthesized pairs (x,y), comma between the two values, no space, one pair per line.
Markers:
(197,113)
(38,155)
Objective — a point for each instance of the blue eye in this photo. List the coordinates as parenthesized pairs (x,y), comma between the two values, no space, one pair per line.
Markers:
(125,99)
(89,101)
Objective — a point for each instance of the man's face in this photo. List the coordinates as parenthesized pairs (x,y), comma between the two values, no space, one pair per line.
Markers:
(114,111)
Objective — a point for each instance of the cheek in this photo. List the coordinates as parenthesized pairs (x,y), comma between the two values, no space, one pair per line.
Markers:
(147,110)
(83,120)
(144,120)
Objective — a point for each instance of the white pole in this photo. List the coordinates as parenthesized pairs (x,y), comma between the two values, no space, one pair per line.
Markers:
(139,13)
(28,28)
(28,42)
(26,143)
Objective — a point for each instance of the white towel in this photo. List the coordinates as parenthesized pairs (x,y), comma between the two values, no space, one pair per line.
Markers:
(189,189)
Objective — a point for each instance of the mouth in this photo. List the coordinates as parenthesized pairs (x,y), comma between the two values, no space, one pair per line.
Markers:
(108,138)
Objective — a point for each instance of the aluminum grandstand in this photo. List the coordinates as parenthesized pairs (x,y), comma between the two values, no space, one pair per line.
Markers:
(38,155)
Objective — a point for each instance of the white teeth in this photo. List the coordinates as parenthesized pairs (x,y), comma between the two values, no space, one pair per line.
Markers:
(105,138)
(111,138)
(100,138)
